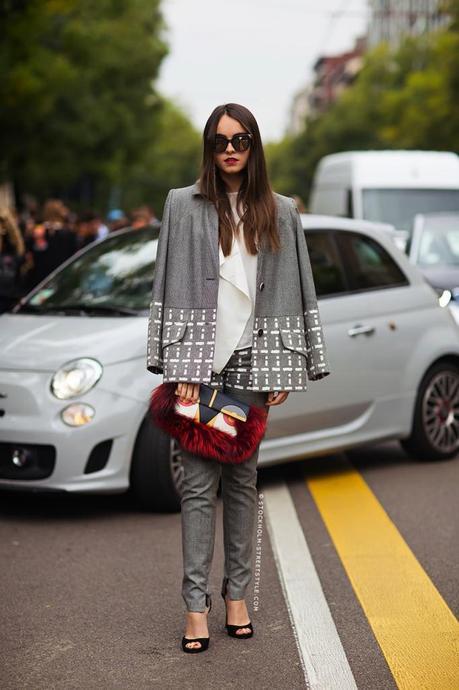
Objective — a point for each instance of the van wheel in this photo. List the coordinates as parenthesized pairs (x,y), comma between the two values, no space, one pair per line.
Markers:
(435,431)
(156,470)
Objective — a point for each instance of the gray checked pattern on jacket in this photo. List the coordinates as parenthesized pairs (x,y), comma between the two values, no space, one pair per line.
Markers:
(288,342)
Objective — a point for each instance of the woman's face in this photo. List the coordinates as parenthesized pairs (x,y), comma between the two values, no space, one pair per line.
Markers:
(231,161)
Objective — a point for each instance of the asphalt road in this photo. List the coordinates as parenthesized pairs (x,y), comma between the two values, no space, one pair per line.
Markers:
(90,586)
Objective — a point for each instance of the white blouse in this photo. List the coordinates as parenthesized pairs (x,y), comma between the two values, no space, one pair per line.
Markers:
(236,297)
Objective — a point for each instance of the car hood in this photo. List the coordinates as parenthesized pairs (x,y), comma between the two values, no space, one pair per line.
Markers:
(44,343)
(445,277)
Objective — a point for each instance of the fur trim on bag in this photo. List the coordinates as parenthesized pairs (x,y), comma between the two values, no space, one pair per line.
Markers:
(203,440)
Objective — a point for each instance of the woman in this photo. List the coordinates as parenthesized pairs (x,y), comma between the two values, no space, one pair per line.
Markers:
(51,242)
(233,306)
(12,257)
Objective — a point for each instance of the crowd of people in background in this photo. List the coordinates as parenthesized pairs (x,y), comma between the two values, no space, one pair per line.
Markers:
(37,240)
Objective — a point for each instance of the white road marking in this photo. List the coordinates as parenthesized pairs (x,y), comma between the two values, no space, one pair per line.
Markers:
(322,656)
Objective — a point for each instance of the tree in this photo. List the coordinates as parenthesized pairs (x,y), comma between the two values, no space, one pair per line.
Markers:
(406,97)
(171,159)
(77,92)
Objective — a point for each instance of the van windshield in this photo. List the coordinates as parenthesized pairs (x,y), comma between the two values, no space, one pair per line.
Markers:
(399,206)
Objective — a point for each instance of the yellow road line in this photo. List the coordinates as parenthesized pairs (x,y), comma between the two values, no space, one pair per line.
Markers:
(417,632)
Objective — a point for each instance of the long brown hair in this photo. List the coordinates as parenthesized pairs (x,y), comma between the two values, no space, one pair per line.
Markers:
(9,229)
(255,194)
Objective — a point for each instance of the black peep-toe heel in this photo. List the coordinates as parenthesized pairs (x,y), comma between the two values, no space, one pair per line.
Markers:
(204,641)
(231,629)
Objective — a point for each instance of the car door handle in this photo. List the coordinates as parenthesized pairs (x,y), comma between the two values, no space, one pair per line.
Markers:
(359,329)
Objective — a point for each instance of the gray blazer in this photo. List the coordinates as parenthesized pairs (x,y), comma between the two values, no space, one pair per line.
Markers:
(288,343)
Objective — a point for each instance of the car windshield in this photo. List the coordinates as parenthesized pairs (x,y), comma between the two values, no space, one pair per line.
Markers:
(399,206)
(439,243)
(113,277)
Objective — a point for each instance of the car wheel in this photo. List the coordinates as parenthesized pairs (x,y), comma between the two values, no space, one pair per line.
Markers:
(435,432)
(156,470)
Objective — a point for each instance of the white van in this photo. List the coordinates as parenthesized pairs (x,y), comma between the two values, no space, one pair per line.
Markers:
(386,186)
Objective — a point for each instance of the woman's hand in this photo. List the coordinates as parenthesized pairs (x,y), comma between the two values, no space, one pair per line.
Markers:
(188,391)
(277,397)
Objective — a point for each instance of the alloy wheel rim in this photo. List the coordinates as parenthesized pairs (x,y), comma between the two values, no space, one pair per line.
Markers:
(440,411)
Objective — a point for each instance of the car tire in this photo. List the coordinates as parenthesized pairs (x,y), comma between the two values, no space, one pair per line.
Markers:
(156,470)
(435,430)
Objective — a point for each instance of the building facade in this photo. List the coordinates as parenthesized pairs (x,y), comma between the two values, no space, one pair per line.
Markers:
(332,75)
(390,20)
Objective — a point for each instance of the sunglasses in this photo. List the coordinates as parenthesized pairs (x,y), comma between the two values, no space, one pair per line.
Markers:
(239,142)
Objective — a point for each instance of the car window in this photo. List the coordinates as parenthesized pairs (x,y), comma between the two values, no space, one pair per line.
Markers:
(439,246)
(368,265)
(326,265)
(349,204)
(399,206)
(113,274)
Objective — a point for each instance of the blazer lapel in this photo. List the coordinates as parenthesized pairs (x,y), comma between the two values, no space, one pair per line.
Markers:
(211,230)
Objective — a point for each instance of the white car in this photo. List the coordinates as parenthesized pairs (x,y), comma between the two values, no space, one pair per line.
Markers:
(74,388)
(434,248)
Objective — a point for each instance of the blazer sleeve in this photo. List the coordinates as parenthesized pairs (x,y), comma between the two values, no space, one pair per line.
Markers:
(317,363)
(155,320)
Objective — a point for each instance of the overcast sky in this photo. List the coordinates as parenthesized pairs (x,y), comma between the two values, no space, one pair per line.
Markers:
(255,52)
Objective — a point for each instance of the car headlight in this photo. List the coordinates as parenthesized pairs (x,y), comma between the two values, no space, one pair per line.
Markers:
(75,378)
(444,298)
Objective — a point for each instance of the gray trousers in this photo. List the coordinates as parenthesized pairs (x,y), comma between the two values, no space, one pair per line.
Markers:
(239,494)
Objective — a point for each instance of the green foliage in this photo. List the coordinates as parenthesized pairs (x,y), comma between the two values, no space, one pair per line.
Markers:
(424,112)
(171,159)
(79,110)
(405,98)
(280,160)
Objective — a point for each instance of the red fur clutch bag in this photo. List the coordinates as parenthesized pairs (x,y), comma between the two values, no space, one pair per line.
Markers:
(204,438)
